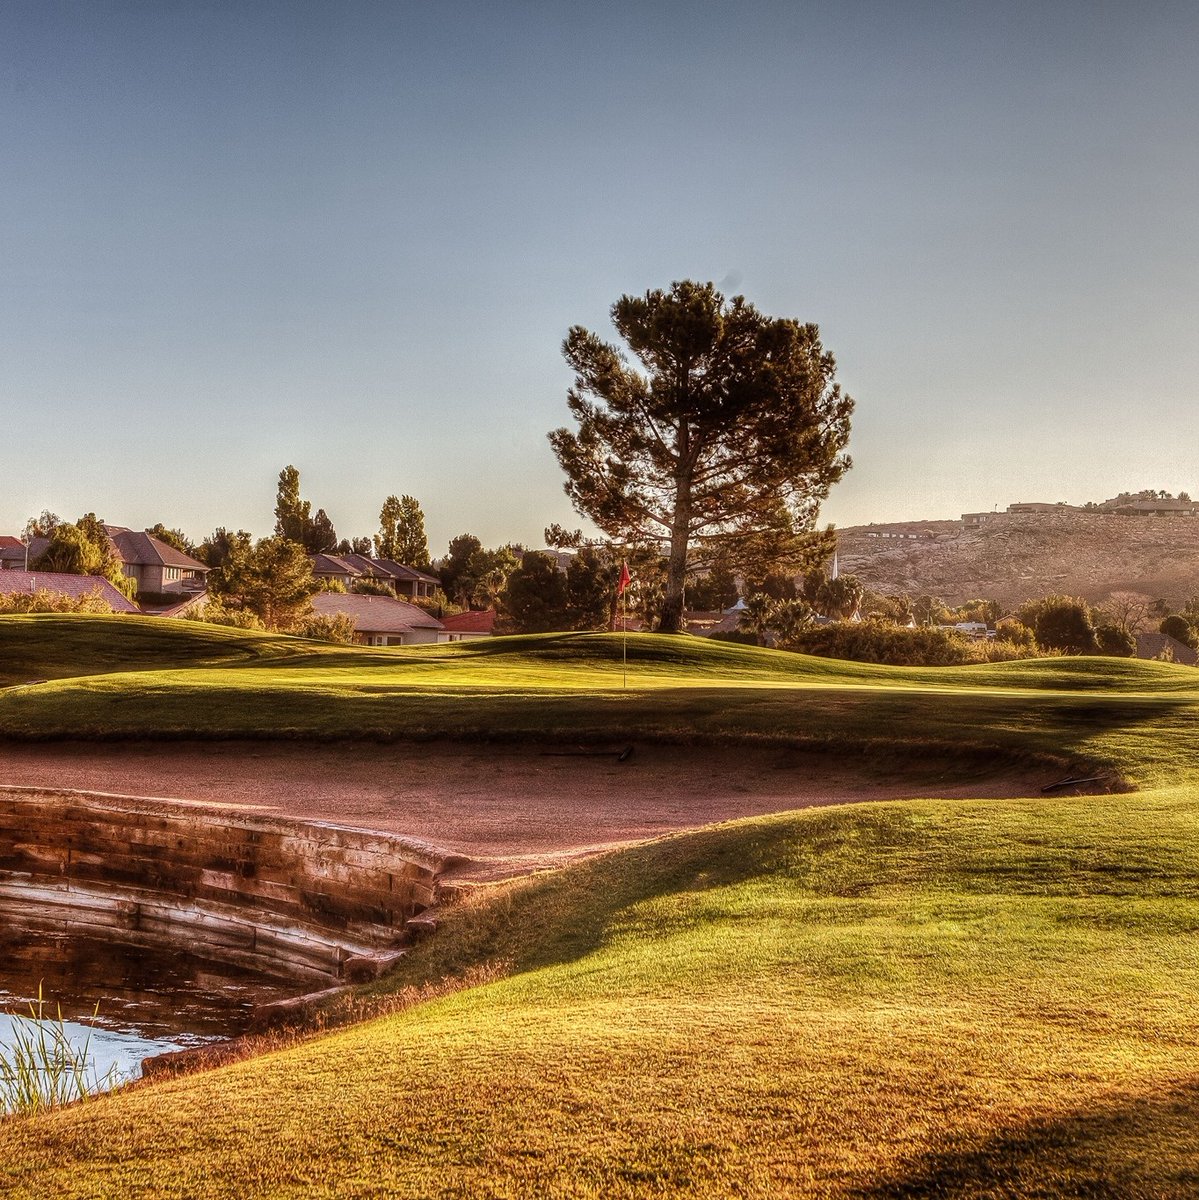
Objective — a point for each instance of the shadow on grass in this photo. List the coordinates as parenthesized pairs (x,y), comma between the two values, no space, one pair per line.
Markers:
(1135,1149)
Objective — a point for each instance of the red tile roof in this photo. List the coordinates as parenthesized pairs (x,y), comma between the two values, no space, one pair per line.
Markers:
(471,622)
(74,586)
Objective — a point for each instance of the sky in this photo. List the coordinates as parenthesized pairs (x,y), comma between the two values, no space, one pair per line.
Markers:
(351,237)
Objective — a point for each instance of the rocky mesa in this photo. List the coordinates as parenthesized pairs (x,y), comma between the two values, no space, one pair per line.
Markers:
(1016,556)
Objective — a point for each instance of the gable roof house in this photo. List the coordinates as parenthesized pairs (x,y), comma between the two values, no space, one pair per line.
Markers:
(380,620)
(72,587)
(13,555)
(154,565)
(399,579)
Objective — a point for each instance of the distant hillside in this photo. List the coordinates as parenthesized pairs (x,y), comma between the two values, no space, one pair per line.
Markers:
(1016,556)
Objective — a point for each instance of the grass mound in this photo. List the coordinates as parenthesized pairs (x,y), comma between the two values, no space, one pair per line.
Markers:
(945,998)
(123,678)
(969,999)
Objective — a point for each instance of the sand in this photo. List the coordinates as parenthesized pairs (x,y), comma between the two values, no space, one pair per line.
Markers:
(508,806)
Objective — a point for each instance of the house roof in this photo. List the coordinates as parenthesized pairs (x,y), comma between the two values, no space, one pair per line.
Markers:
(400,571)
(470,622)
(1151,645)
(13,549)
(73,586)
(144,549)
(333,564)
(374,614)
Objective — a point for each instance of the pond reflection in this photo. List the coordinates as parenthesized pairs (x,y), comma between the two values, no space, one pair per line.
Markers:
(126,1002)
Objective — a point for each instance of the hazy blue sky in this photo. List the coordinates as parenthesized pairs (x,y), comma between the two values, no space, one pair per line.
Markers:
(351,236)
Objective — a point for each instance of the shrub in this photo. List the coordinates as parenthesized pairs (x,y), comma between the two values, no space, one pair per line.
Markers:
(896,645)
(213,612)
(1015,633)
(1116,641)
(43,601)
(324,627)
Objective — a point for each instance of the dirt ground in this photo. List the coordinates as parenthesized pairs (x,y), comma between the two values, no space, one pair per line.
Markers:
(509,807)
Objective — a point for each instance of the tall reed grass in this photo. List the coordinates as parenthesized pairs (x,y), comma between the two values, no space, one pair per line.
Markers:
(42,1068)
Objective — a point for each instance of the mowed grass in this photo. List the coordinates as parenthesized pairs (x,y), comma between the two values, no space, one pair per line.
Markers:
(129,678)
(919,998)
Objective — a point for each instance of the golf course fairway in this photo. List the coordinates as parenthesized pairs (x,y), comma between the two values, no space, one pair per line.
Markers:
(918,997)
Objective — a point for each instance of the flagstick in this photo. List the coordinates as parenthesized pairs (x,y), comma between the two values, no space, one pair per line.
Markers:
(624,643)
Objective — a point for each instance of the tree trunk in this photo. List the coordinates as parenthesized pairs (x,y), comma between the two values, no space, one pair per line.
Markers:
(676,568)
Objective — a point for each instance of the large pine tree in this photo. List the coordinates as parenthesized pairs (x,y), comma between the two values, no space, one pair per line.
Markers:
(720,443)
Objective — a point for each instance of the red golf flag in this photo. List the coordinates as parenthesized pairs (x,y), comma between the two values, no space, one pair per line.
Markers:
(625,579)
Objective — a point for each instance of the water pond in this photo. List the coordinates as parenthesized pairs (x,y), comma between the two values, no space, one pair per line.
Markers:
(125,1003)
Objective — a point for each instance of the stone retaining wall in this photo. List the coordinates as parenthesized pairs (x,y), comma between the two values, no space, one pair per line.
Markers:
(300,900)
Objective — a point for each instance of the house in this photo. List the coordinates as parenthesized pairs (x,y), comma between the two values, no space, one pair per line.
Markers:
(407,581)
(347,569)
(150,562)
(1157,508)
(467,626)
(1156,645)
(380,620)
(71,587)
(335,568)
(156,567)
(16,556)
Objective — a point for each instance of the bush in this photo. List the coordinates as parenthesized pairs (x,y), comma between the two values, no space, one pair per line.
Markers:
(1115,641)
(43,601)
(324,627)
(213,612)
(900,646)
(1015,633)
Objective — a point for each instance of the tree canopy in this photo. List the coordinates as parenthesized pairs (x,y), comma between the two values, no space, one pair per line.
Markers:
(84,548)
(401,535)
(294,520)
(720,442)
(271,579)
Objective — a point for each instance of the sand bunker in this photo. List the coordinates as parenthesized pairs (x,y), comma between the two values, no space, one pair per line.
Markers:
(513,806)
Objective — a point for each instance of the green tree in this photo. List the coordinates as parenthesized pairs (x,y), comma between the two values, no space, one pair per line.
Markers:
(292,514)
(84,548)
(930,610)
(726,439)
(1179,628)
(273,580)
(401,535)
(591,589)
(358,545)
(215,548)
(455,568)
(43,525)
(836,598)
(1115,640)
(757,616)
(320,537)
(712,590)
(294,519)
(535,599)
(791,618)
(173,537)
(1060,623)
